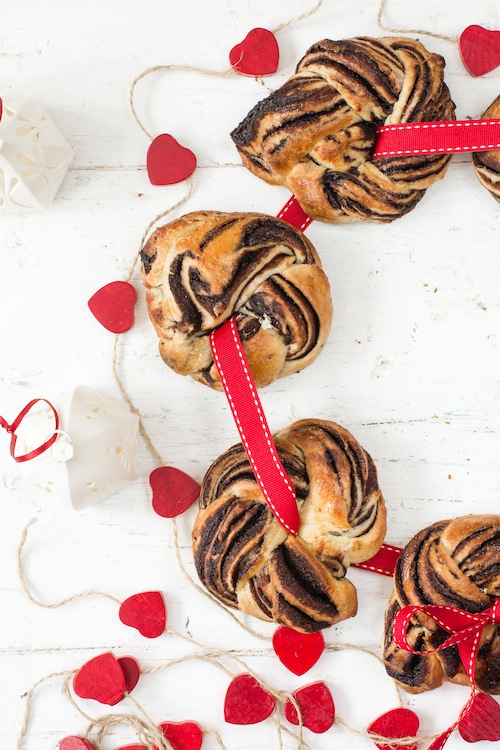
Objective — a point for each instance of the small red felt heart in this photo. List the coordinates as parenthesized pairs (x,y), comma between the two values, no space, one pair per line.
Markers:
(173,491)
(131,672)
(146,612)
(400,722)
(113,306)
(257,55)
(100,679)
(482,720)
(75,743)
(297,651)
(316,707)
(168,162)
(183,735)
(246,701)
(479,49)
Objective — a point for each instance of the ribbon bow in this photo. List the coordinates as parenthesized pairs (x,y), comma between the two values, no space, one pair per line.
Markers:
(11,429)
(465,629)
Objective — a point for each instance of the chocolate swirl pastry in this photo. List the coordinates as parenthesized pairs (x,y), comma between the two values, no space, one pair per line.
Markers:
(248,561)
(487,163)
(315,134)
(207,266)
(456,563)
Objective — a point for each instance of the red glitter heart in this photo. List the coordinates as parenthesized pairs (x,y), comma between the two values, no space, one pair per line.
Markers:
(183,735)
(168,162)
(257,55)
(400,722)
(75,743)
(113,306)
(131,672)
(297,651)
(246,701)
(316,707)
(100,679)
(481,721)
(173,491)
(146,612)
(479,49)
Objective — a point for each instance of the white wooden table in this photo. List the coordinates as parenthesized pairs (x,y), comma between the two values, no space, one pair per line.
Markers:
(411,366)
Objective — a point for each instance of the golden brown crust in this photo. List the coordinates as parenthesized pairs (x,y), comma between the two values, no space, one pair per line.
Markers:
(207,266)
(455,563)
(487,163)
(248,561)
(315,133)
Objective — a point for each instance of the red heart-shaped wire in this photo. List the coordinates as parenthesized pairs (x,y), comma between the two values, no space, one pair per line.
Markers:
(482,720)
(173,491)
(113,306)
(100,679)
(146,612)
(246,701)
(131,671)
(397,723)
(183,735)
(257,55)
(479,49)
(316,705)
(168,162)
(298,652)
(75,743)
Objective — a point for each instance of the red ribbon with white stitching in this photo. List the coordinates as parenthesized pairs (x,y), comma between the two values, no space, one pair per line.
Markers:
(11,429)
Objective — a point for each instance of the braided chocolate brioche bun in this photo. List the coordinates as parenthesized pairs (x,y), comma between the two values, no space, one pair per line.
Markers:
(487,163)
(207,266)
(315,134)
(456,563)
(247,560)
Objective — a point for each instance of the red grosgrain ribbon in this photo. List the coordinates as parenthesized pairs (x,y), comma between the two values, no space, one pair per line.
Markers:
(11,429)
(384,562)
(446,136)
(465,629)
(239,387)
(293,213)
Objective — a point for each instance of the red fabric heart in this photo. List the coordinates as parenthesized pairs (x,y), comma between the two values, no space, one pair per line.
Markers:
(400,722)
(316,705)
(131,672)
(257,55)
(482,720)
(183,735)
(100,679)
(113,306)
(168,162)
(479,49)
(246,701)
(146,612)
(298,652)
(173,491)
(75,743)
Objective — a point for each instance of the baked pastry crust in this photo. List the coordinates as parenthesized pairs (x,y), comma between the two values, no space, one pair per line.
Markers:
(207,266)
(315,133)
(248,561)
(487,163)
(456,563)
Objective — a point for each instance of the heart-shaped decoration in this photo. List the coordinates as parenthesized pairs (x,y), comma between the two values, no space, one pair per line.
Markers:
(257,55)
(113,306)
(298,652)
(1,109)
(183,735)
(131,672)
(75,743)
(173,491)
(246,701)
(168,162)
(316,707)
(132,747)
(100,679)
(482,720)
(146,612)
(479,49)
(400,722)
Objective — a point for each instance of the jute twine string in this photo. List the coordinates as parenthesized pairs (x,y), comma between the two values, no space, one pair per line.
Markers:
(384,27)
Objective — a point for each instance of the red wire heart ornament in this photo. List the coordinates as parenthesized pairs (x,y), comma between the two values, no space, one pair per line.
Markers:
(316,705)
(146,612)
